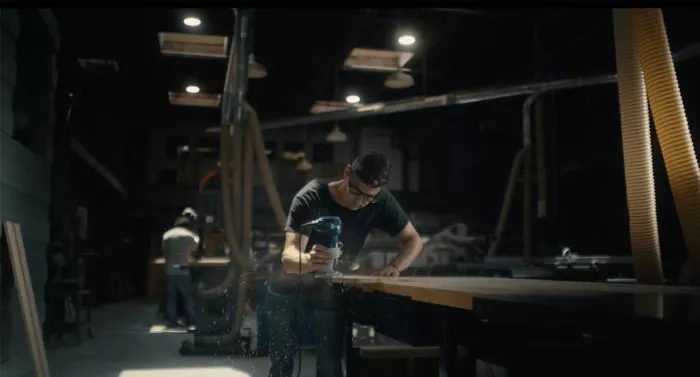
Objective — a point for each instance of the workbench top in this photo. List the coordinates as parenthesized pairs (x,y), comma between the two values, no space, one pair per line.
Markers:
(204,261)
(460,292)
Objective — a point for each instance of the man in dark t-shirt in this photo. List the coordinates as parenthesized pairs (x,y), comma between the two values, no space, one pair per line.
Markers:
(362,204)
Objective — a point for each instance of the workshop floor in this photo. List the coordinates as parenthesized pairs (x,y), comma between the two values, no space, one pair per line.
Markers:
(123,347)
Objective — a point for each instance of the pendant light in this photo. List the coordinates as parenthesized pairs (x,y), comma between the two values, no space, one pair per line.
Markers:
(255,69)
(304,165)
(336,135)
(399,79)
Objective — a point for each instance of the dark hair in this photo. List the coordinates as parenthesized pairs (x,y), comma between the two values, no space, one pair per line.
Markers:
(184,221)
(373,169)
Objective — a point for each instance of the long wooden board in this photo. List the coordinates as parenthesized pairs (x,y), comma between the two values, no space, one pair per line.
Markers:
(459,292)
(27,302)
(204,261)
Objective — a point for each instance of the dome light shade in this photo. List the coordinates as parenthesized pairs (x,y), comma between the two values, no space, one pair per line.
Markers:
(255,69)
(304,165)
(192,89)
(336,136)
(399,80)
(353,98)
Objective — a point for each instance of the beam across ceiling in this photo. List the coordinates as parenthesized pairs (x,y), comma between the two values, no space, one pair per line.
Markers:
(457,98)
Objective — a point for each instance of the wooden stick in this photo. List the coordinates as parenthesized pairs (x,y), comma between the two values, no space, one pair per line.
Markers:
(27,301)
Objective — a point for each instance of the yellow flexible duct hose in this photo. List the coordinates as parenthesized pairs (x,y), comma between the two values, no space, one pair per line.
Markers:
(671,126)
(636,147)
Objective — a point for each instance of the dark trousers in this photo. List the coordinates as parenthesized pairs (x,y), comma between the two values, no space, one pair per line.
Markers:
(179,285)
(283,329)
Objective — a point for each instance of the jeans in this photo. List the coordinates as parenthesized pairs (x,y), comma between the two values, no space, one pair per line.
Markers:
(283,329)
(179,285)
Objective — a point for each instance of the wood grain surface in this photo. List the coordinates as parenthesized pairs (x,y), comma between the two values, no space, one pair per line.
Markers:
(204,261)
(459,292)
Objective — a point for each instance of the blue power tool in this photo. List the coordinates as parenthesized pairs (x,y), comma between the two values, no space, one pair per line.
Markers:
(328,230)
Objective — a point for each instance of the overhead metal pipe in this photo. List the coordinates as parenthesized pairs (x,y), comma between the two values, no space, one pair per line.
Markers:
(227,95)
(242,51)
(422,103)
(457,98)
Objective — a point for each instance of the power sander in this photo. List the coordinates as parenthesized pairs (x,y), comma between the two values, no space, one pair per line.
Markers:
(328,230)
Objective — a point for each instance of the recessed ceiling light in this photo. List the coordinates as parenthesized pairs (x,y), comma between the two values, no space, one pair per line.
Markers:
(407,40)
(353,98)
(192,89)
(192,21)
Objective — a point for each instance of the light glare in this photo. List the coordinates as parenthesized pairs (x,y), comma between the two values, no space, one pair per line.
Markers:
(352,98)
(192,89)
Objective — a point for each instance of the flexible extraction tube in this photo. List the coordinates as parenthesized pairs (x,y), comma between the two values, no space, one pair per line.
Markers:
(671,126)
(636,148)
(264,166)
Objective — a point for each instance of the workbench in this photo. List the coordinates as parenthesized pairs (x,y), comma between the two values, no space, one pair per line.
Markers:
(533,327)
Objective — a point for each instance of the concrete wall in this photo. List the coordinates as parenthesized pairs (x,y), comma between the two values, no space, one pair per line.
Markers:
(25,147)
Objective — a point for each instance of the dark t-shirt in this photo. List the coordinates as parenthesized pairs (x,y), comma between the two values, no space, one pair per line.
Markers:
(315,200)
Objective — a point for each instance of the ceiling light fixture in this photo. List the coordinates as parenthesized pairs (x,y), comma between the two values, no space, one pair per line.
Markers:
(304,165)
(192,21)
(255,69)
(336,135)
(399,80)
(353,98)
(407,40)
(192,89)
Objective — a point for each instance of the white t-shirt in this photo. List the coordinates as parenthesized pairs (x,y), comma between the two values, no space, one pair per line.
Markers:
(178,243)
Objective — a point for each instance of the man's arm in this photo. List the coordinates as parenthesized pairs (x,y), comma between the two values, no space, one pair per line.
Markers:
(297,263)
(291,256)
(303,209)
(394,221)
(410,245)
(193,250)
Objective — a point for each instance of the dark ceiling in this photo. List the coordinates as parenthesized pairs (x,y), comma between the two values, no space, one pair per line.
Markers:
(302,49)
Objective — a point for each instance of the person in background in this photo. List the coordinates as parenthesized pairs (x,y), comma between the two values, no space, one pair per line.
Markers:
(362,203)
(179,246)
(191,213)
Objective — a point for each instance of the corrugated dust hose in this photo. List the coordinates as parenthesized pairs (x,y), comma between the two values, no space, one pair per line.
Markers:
(671,125)
(636,147)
